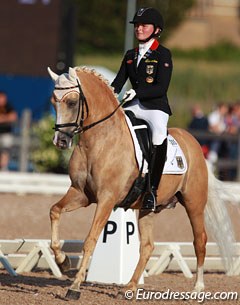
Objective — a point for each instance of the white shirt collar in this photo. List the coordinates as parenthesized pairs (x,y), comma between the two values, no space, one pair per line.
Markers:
(143,47)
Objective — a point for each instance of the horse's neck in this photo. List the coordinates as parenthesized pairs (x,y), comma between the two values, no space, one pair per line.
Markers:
(108,145)
(108,130)
(101,103)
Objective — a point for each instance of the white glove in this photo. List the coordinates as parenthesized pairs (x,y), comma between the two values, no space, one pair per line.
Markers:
(129,95)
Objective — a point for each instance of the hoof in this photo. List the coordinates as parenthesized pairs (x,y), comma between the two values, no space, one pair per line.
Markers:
(73,294)
(65,265)
(121,295)
(198,288)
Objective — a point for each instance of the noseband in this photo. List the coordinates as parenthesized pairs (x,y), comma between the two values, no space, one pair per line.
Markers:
(82,103)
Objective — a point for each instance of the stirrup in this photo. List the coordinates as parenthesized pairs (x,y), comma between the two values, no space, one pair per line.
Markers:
(149,201)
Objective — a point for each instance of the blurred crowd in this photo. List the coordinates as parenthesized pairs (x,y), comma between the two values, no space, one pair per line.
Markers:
(212,130)
(8,117)
(224,120)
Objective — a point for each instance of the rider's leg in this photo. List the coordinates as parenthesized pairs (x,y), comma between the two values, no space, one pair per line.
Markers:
(158,123)
(156,169)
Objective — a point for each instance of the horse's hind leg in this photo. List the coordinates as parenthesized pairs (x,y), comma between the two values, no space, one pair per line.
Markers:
(71,201)
(145,224)
(196,216)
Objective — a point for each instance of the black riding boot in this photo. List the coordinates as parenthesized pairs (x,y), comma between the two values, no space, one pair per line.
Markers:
(155,171)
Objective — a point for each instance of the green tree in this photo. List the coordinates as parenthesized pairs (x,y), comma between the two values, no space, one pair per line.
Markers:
(101,23)
(45,156)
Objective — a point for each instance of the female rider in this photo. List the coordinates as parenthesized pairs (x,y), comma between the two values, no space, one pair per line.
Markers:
(149,69)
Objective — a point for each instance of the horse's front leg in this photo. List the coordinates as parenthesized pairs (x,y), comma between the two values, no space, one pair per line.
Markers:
(145,223)
(101,216)
(71,201)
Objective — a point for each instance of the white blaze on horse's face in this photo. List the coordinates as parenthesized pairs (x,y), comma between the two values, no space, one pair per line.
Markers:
(66,112)
(66,103)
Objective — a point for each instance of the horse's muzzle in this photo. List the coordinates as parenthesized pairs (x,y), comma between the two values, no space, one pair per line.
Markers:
(62,141)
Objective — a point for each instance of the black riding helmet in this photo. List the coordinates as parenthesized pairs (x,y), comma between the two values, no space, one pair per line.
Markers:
(148,15)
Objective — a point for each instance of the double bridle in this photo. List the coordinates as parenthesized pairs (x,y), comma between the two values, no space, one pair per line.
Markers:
(78,124)
(82,103)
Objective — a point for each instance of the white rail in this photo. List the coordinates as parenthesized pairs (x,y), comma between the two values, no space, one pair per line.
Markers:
(33,183)
(22,255)
(36,183)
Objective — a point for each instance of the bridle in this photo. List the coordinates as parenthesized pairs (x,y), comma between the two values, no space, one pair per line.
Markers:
(82,103)
(78,124)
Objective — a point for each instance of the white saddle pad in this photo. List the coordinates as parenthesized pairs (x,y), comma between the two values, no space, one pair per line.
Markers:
(175,164)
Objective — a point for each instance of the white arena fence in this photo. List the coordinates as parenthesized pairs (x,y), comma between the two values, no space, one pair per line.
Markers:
(50,184)
(23,255)
(33,183)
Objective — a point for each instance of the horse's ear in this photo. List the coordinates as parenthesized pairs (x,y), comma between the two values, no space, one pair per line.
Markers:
(72,74)
(53,75)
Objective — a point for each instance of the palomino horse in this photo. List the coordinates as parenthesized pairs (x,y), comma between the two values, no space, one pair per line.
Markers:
(103,167)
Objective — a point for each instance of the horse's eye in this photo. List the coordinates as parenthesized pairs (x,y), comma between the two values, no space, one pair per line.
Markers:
(71,104)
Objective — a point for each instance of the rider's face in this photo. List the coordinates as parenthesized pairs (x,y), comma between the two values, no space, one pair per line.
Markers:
(143,31)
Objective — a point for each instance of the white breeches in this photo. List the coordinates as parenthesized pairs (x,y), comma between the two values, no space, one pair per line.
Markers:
(156,119)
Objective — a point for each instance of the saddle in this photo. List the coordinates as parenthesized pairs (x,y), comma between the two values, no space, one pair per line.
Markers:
(144,135)
(142,138)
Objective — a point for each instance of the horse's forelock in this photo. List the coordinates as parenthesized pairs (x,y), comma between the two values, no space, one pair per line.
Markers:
(64,81)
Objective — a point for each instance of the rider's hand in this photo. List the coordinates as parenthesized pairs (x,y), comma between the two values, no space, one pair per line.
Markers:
(129,95)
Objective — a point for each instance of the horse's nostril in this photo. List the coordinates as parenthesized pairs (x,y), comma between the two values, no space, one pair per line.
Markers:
(62,143)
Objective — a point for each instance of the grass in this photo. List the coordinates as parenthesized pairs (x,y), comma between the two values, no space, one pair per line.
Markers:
(197,80)
(202,82)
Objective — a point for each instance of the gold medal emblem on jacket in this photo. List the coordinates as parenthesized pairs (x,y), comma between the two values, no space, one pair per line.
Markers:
(149,79)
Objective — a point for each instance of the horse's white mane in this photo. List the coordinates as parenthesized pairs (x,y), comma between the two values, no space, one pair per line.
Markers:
(98,75)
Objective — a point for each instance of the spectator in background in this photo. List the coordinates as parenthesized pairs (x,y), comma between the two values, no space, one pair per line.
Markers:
(217,125)
(232,121)
(199,122)
(8,117)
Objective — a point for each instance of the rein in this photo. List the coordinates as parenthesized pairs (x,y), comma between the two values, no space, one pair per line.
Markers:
(82,102)
(85,128)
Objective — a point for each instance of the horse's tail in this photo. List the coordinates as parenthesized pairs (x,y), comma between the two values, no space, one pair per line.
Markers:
(217,219)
